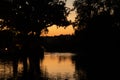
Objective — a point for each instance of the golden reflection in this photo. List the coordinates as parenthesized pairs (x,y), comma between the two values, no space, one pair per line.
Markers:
(20,67)
(55,64)
(6,69)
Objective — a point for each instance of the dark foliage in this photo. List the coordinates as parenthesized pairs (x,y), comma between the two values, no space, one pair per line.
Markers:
(99,36)
(33,15)
(98,23)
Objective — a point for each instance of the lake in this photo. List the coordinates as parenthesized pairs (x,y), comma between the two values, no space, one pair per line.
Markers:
(54,66)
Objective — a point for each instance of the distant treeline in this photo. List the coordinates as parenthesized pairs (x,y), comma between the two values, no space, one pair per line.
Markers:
(61,43)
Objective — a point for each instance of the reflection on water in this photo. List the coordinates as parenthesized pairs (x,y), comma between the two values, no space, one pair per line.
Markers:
(6,69)
(58,66)
(54,66)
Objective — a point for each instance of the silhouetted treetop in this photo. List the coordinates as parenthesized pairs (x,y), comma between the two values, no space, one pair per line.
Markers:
(5,8)
(98,24)
(34,15)
(86,9)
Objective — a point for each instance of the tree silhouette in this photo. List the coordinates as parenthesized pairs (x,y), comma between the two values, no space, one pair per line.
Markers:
(29,17)
(98,30)
(87,9)
(5,8)
(88,17)
(34,15)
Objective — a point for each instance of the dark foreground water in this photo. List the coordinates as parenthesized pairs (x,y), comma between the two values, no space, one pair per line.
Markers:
(53,66)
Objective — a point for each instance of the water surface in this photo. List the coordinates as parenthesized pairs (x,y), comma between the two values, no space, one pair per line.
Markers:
(54,66)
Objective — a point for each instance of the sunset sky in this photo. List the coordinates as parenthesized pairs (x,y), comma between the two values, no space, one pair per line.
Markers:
(56,31)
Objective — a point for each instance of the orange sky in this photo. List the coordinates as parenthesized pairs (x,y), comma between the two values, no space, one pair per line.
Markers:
(56,31)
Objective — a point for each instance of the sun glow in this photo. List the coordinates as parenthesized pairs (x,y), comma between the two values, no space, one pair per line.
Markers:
(69,30)
(56,31)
